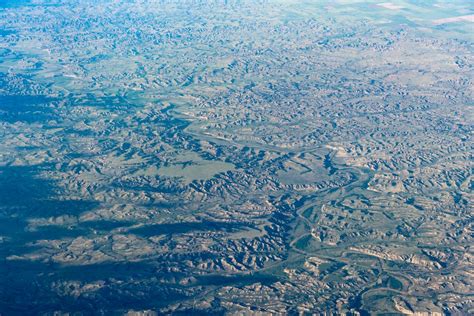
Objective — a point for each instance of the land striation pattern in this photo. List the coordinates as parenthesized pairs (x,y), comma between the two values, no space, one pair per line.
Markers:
(236,157)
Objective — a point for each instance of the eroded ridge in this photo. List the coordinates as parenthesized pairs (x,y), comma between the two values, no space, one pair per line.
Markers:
(235,157)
